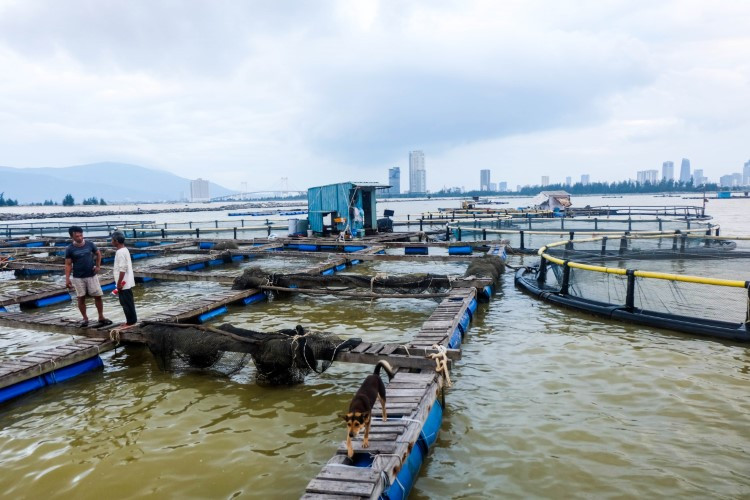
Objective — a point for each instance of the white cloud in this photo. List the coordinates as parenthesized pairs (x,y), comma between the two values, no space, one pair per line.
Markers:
(328,91)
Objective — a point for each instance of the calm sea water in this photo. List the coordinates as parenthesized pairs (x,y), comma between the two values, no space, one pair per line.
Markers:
(547,403)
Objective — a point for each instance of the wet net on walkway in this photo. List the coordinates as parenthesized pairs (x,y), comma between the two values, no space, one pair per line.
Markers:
(283,357)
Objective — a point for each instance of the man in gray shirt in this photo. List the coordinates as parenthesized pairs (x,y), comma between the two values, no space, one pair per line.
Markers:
(84,259)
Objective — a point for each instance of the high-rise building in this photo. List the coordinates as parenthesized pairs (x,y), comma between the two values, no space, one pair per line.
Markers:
(685,171)
(484,180)
(502,187)
(698,179)
(199,190)
(493,186)
(650,176)
(394,180)
(726,180)
(417,173)
(568,181)
(746,174)
(667,170)
(545,180)
(585,179)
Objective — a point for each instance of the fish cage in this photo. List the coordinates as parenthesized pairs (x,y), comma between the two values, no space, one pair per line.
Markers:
(651,280)
(533,233)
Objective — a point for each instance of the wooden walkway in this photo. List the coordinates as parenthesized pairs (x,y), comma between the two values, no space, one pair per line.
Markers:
(409,395)
(24,297)
(445,320)
(410,398)
(189,311)
(32,365)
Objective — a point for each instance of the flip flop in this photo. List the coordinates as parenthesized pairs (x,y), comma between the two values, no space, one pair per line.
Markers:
(83,324)
(104,322)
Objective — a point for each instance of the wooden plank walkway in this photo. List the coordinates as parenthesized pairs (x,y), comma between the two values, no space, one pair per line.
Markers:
(183,313)
(409,395)
(441,324)
(409,399)
(24,296)
(38,363)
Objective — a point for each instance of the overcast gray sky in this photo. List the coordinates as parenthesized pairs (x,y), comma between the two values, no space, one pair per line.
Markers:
(328,91)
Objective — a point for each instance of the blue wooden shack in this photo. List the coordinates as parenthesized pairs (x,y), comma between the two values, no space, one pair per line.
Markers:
(344,207)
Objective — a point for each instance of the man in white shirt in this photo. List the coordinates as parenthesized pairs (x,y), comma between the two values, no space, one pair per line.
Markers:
(124,280)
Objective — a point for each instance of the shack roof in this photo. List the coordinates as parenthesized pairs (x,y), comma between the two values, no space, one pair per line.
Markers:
(377,185)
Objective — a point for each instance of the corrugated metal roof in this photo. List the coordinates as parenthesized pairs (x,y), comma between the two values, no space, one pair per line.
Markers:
(356,184)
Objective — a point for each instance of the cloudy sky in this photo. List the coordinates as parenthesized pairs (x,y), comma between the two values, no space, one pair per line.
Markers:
(327,91)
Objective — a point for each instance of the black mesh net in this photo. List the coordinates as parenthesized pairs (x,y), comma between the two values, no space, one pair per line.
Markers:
(283,357)
(253,277)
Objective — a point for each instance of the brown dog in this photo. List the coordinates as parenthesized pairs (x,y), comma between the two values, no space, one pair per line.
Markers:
(360,409)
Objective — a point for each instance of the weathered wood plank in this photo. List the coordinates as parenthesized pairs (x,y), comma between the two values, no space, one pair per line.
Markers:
(345,487)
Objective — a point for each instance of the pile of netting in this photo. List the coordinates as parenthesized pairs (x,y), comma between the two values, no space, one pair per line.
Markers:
(413,283)
(487,266)
(283,357)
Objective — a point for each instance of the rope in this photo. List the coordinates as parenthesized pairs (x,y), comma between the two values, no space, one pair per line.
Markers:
(383,276)
(441,362)
(114,336)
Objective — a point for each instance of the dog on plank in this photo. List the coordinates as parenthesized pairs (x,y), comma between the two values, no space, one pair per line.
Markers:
(360,409)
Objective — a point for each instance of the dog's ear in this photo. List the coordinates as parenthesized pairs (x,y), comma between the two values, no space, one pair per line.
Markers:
(300,330)
(344,416)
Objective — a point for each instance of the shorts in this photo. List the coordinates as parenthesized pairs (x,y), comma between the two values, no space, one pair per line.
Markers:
(87,286)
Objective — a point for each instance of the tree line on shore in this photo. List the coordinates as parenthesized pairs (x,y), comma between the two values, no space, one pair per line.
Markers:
(67,201)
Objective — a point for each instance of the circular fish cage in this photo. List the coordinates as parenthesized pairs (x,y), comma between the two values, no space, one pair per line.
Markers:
(650,279)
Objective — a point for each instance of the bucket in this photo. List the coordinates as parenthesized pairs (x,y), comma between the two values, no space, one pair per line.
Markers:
(297,227)
(309,233)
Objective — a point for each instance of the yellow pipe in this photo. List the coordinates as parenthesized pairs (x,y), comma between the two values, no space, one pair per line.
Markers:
(648,274)
(690,279)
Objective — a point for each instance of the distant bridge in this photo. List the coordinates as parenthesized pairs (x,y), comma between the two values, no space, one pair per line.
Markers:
(254,195)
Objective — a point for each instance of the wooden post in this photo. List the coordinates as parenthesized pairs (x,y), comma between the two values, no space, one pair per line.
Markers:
(484,233)
(459,234)
(163,235)
(565,287)
(235,233)
(604,245)
(541,276)
(521,232)
(630,293)
(197,232)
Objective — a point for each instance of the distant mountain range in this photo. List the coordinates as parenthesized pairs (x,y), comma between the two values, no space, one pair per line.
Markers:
(115,182)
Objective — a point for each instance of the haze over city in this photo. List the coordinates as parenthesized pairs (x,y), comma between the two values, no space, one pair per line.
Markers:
(325,92)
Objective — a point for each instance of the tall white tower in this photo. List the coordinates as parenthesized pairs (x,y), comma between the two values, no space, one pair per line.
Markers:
(417,172)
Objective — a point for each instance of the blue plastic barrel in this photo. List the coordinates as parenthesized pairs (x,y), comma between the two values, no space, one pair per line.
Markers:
(212,314)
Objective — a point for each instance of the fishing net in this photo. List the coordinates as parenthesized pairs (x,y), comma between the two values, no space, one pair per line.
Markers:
(488,266)
(225,245)
(680,255)
(283,357)
(254,277)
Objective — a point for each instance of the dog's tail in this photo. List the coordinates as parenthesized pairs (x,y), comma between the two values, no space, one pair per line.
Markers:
(386,366)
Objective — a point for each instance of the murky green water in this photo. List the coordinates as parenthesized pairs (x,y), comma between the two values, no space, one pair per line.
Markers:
(546,403)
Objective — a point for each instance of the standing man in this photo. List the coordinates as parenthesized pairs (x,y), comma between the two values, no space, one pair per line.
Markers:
(84,259)
(123,273)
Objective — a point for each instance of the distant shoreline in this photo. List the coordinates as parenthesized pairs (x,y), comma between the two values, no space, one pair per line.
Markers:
(5,216)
